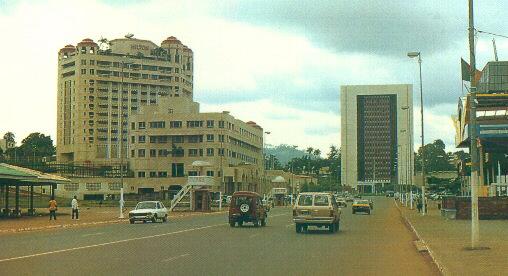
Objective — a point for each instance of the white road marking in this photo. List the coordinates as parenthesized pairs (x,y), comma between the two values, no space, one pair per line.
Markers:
(93,234)
(107,243)
(116,242)
(174,258)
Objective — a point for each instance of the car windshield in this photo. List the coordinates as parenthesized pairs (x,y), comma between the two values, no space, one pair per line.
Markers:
(239,200)
(145,205)
(320,200)
(362,202)
(305,200)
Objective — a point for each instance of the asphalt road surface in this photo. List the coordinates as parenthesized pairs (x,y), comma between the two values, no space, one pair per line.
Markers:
(376,244)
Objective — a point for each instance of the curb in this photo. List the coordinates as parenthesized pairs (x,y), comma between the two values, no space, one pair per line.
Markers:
(432,255)
(59,226)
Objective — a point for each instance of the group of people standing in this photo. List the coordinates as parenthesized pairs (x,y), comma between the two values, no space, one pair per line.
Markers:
(53,207)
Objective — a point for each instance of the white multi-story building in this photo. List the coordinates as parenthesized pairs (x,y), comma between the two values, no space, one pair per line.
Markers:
(376,135)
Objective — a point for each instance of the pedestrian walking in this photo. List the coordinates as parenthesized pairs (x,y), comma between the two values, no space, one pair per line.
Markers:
(52,208)
(419,205)
(75,209)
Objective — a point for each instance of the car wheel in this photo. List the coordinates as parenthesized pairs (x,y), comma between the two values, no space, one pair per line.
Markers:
(368,212)
(165,218)
(337,226)
(298,228)
(240,223)
(263,222)
(154,219)
(232,223)
(131,221)
(256,223)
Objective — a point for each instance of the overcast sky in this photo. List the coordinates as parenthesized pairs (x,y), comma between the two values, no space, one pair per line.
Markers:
(279,63)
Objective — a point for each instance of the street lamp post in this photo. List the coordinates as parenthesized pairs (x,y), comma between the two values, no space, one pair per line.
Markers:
(413,55)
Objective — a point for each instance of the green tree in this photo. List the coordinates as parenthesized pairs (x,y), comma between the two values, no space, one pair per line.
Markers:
(436,158)
(9,137)
(37,145)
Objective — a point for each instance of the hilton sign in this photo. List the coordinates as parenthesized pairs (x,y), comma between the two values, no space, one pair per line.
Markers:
(139,47)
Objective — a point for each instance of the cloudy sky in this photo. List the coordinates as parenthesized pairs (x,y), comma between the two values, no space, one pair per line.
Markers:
(279,63)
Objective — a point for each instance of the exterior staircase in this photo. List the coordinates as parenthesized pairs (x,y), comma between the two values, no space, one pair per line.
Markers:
(193,182)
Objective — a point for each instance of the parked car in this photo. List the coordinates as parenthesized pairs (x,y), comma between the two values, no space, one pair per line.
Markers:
(341,202)
(361,205)
(149,211)
(247,207)
(390,193)
(316,209)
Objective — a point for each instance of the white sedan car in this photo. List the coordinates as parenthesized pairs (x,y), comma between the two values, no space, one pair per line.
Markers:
(149,211)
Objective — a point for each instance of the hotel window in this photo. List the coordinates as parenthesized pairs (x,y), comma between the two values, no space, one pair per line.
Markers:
(209,137)
(92,62)
(83,62)
(141,125)
(162,174)
(153,174)
(209,173)
(141,153)
(193,152)
(153,153)
(83,71)
(133,126)
(193,124)
(141,138)
(92,71)
(133,153)
(221,138)
(163,153)
(209,123)
(177,170)
(177,139)
(175,124)
(160,124)
(195,138)
(221,124)
(209,152)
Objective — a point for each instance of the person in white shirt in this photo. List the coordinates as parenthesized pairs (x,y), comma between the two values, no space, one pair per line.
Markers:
(74,206)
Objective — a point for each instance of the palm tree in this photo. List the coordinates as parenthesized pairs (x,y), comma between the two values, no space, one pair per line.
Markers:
(317,152)
(9,137)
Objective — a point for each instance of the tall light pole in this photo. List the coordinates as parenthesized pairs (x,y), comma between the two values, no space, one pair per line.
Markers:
(413,55)
(408,133)
(475,224)
(120,148)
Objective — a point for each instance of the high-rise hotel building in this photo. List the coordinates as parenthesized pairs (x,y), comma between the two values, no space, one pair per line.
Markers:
(100,87)
(376,135)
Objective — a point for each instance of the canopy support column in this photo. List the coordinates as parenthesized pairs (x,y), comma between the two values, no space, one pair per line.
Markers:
(17,212)
(31,210)
(6,210)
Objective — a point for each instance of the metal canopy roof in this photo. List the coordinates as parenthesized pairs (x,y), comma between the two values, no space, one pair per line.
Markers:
(28,175)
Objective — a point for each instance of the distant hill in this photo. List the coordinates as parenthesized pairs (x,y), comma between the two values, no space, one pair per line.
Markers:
(284,152)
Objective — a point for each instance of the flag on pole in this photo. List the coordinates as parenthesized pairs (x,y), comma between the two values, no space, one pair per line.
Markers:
(466,71)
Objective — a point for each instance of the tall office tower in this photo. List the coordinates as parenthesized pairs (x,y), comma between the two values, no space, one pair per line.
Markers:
(101,85)
(376,135)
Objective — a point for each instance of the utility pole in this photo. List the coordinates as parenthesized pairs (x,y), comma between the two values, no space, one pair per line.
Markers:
(475,225)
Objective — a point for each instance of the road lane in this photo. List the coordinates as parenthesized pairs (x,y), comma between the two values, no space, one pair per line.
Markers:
(378,244)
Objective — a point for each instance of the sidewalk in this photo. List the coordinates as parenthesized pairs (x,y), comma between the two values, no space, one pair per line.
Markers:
(88,216)
(447,240)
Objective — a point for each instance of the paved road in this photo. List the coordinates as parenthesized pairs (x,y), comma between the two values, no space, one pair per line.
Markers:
(378,244)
